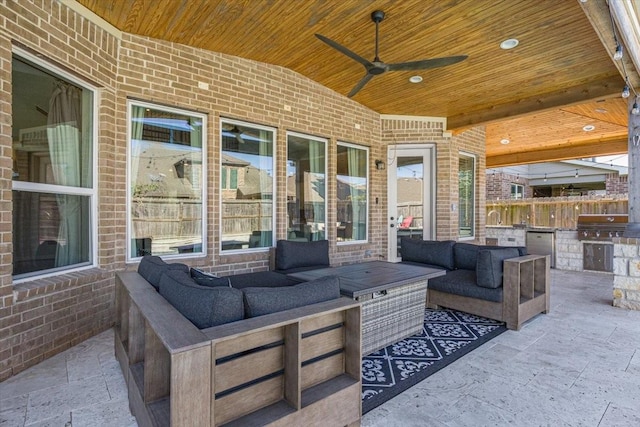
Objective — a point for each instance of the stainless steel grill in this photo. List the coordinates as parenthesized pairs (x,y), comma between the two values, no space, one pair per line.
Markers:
(601,226)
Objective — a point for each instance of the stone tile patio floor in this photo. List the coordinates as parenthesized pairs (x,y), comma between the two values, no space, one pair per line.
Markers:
(576,366)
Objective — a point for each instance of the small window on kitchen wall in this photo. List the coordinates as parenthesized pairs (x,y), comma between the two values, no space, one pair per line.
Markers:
(517,191)
(306,187)
(466,195)
(54,167)
(352,192)
(166,181)
(247,186)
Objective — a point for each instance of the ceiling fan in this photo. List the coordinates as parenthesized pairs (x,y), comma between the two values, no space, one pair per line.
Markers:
(377,67)
(235,131)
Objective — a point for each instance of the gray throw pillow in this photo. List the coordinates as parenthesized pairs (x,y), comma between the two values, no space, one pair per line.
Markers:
(151,268)
(261,301)
(291,254)
(432,252)
(204,306)
(203,278)
(489,269)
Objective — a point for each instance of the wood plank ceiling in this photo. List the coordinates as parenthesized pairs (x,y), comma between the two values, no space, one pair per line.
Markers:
(538,95)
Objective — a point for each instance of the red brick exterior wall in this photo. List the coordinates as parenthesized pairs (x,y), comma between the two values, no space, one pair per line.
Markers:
(499,186)
(41,317)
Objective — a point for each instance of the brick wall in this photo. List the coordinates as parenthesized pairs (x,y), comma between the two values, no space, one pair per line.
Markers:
(616,184)
(499,186)
(41,317)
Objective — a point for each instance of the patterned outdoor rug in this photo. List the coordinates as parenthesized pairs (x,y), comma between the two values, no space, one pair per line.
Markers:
(447,335)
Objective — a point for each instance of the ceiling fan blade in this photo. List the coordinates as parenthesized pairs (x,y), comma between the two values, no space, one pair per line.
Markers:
(345,51)
(426,63)
(239,138)
(360,85)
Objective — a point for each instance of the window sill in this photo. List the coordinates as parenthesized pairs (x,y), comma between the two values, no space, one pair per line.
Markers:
(47,285)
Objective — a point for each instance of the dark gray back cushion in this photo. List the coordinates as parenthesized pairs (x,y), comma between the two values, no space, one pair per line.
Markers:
(302,254)
(151,268)
(203,278)
(204,306)
(490,266)
(261,301)
(466,255)
(262,279)
(428,252)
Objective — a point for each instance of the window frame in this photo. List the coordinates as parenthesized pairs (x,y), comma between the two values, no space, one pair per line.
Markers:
(90,192)
(514,195)
(326,166)
(203,180)
(274,198)
(367,192)
(474,160)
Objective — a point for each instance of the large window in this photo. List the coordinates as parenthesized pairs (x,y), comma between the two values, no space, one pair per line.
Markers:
(166,181)
(306,187)
(353,167)
(466,194)
(247,185)
(53,169)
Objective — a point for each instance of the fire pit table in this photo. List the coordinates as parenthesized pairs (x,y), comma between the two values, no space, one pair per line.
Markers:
(393,298)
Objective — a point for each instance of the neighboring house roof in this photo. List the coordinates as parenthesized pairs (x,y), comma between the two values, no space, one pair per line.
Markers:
(156,173)
(257,184)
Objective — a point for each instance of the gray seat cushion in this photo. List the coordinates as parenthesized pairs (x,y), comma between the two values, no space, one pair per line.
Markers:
(295,255)
(434,253)
(152,267)
(463,283)
(489,269)
(261,301)
(204,306)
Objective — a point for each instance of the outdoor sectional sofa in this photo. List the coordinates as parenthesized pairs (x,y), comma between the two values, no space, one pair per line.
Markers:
(196,351)
(498,282)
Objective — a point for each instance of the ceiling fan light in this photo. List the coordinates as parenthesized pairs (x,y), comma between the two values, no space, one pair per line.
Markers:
(509,44)
(618,54)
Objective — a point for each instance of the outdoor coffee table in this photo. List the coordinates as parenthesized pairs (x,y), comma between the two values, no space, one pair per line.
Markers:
(393,298)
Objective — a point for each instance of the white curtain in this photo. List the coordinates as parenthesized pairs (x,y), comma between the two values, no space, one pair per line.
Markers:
(353,164)
(66,151)
(266,185)
(137,123)
(316,167)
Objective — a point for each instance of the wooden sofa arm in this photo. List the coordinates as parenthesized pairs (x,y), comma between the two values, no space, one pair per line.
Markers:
(526,281)
(296,367)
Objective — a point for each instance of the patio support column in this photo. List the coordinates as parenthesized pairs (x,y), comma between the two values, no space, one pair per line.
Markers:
(633,226)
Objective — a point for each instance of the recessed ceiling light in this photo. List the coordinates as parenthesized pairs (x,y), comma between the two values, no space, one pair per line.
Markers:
(601,110)
(415,79)
(509,44)
(588,128)
(504,141)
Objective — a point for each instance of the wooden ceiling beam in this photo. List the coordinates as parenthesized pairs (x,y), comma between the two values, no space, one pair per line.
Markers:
(608,87)
(594,148)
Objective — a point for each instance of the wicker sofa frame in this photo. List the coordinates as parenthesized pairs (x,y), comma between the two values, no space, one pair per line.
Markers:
(296,367)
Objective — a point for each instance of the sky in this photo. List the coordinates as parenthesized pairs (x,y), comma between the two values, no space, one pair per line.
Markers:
(619,160)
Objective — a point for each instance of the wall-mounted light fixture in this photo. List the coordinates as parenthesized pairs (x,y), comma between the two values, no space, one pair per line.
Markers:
(380,165)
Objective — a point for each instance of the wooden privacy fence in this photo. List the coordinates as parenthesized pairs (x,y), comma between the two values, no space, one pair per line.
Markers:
(554,212)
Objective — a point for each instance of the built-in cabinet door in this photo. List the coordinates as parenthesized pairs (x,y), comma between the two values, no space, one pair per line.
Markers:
(411,198)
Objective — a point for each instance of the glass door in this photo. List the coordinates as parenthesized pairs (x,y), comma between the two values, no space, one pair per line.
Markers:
(411,213)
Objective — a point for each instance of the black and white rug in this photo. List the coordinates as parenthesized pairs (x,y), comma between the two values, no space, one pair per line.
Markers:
(446,336)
